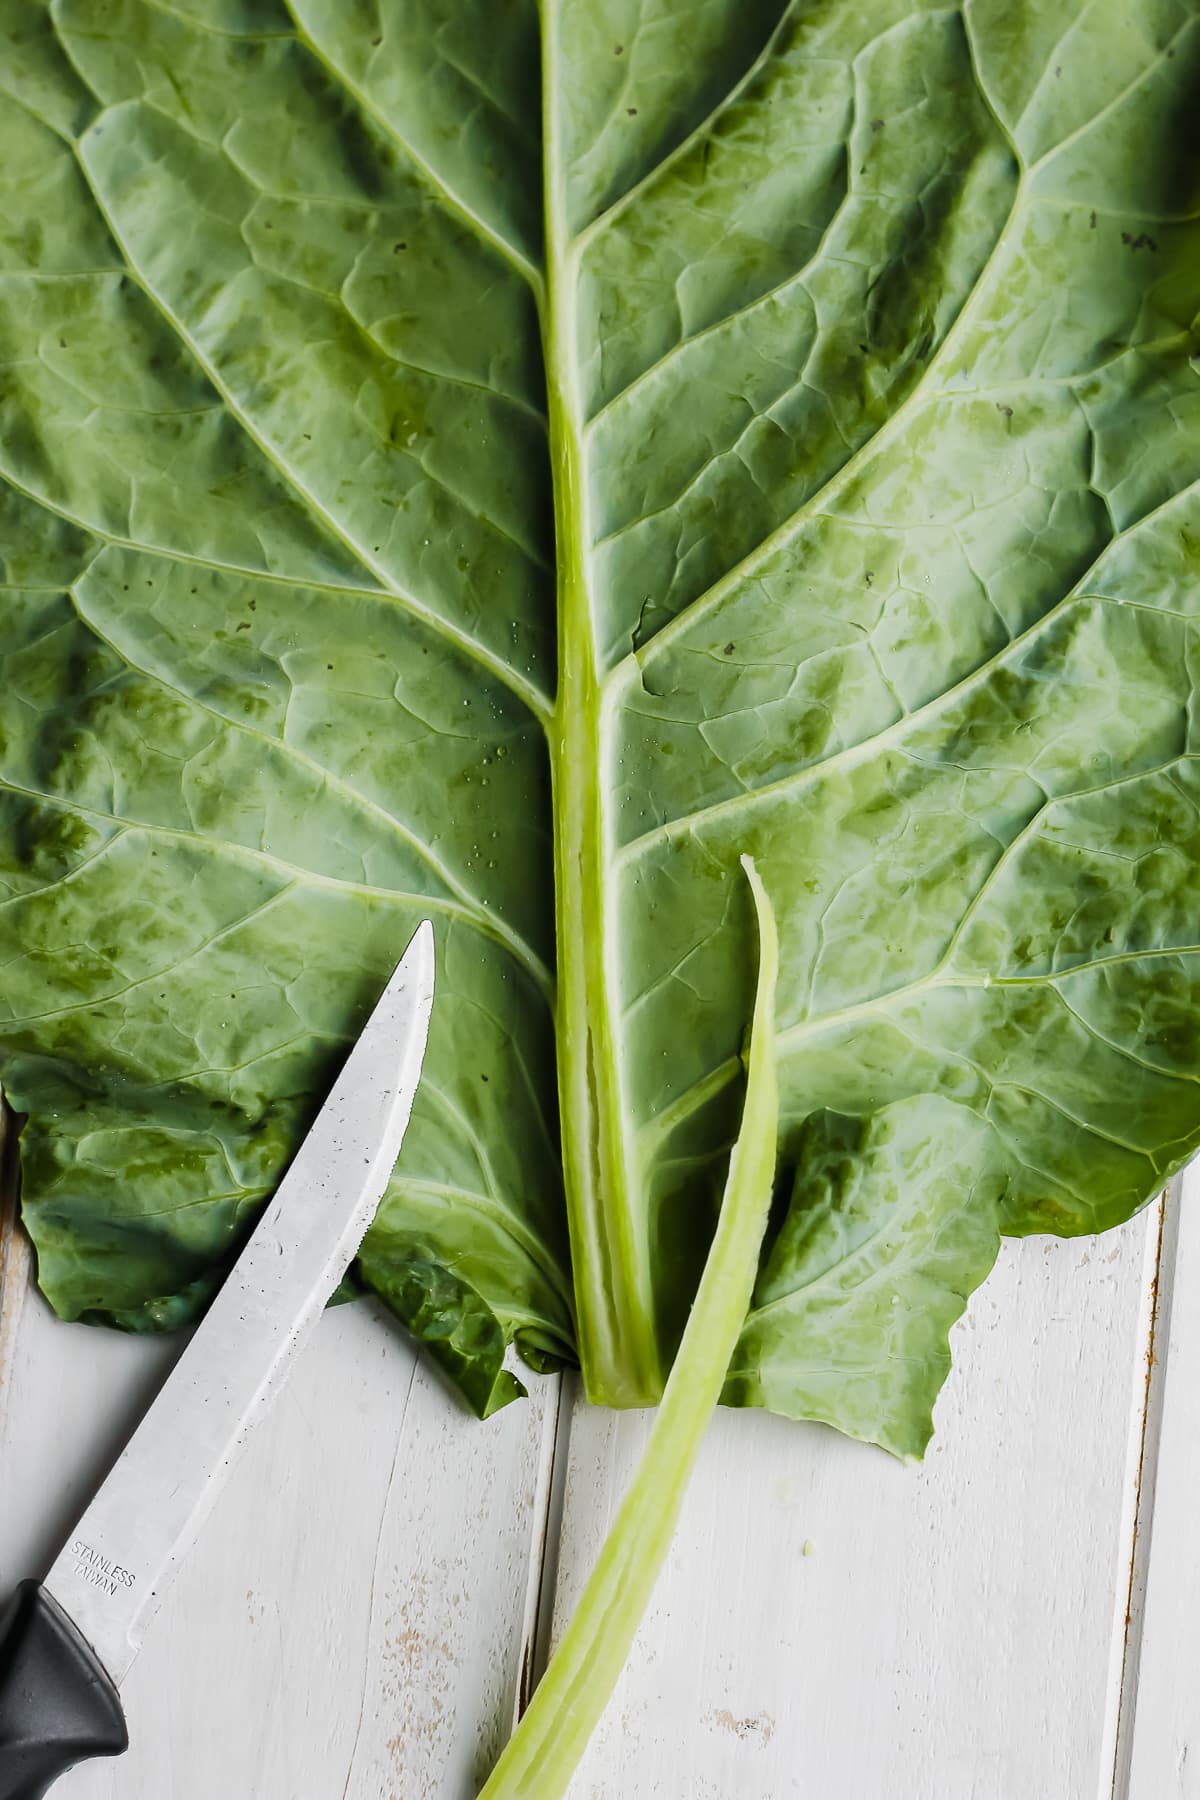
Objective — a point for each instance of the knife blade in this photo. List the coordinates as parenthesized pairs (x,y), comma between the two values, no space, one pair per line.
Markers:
(66,1645)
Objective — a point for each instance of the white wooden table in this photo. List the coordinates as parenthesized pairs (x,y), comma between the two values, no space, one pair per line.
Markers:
(1017,1620)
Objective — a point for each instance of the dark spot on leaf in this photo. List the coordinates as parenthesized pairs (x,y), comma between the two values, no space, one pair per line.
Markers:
(1006,410)
(729,649)
(483,1078)
(865,348)
(1092,221)
(252,604)
(632,111)
(620,50)
(62,343)
(1057,70)
(870,576)
(329,665)
(1143,241)
(401,244)
(375,42)
(243,625)
(876,124)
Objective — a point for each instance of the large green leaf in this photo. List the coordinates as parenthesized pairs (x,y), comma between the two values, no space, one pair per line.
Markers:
(496,467)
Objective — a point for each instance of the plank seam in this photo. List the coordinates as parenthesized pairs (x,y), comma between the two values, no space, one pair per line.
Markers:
(551,1503)
(1124,1691)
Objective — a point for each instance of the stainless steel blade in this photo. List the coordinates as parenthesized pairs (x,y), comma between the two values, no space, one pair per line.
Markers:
(125,1548)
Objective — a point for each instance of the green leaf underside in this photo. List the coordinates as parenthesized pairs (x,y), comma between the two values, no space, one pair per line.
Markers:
(499,468)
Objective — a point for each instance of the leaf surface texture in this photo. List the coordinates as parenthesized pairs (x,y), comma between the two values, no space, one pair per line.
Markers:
(500,467)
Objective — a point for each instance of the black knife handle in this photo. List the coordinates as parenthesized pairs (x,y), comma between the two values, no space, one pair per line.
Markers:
(57,1702)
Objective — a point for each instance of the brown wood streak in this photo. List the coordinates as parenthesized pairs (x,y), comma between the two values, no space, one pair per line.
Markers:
(15,1253)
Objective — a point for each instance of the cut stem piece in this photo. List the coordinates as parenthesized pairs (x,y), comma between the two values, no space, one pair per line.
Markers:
(542,1754)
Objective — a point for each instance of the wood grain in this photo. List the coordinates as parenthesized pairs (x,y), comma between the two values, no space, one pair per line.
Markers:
(834,1624)
(350,1623)
(359,1614)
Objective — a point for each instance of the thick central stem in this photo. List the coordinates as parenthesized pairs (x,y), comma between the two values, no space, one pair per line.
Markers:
(545,1748)
(618,1343)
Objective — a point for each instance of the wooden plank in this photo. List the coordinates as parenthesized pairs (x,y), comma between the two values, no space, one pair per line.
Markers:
(356,1618)
(832,1623)
(1159,1749)
(351,1622)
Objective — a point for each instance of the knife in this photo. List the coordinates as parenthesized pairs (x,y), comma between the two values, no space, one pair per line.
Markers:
(67,1645)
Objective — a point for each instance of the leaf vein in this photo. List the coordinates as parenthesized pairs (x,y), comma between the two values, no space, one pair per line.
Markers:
(455,202)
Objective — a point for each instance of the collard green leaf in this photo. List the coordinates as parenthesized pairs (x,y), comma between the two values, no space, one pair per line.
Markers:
(501,465)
